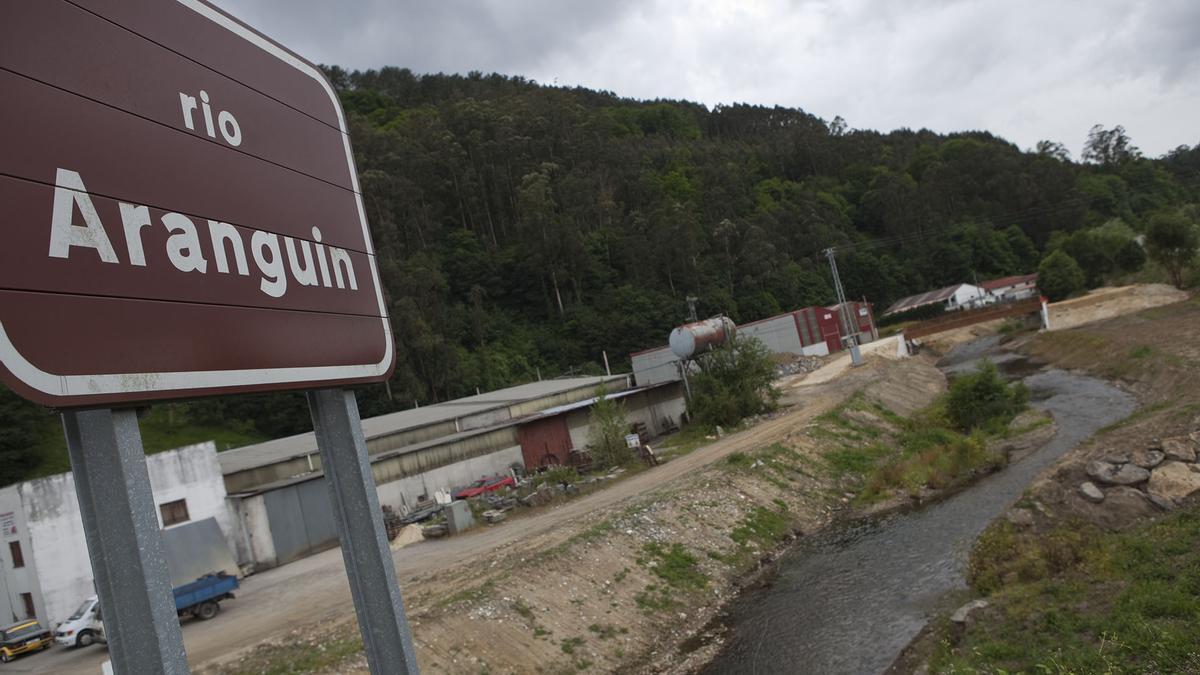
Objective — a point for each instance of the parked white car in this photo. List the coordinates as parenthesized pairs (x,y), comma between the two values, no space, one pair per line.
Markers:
(77,630)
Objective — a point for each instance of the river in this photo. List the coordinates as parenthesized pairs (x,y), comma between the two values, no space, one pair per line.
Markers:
(849,599)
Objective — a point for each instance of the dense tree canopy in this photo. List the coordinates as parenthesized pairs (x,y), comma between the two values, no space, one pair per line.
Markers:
(524,229)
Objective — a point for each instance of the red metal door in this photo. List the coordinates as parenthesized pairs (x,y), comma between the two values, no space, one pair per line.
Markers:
(545,442)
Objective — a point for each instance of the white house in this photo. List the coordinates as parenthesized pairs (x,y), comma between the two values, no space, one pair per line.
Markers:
(1012,288)
(959,296)
(44,567)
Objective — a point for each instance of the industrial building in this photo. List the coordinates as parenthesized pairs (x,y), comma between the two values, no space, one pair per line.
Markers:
(281,502)
(45,571)
(812,331)
(549,437)
(267,504)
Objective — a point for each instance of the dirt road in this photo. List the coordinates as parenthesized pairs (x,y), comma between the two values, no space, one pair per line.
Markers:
(314,589)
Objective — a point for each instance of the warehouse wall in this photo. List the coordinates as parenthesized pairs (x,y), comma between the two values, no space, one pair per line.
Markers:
(57,550)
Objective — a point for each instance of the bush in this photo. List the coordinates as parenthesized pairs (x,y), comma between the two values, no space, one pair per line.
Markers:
(983,400)
(1059,276)
(733,384)
(606,432)
(1172,240)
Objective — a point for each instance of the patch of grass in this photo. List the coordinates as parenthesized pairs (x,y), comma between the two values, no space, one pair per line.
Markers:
(569,645)
(933,465)
(854,461)
(301,656)
(673,564)
(686,441)
(620,576)
(539,632)
(1081,600)
(763,527)
(606,631)
(1038,423)
(739,459)
(1141,352)
(678,569)
(468,595)
(654,598)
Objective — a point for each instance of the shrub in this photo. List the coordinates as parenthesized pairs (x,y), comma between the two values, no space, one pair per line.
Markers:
(1172,240)
(734,383)
(983,400)
(1059,276)
(606,432)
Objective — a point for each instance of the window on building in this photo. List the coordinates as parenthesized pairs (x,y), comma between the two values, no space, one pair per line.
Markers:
(18,557)
(30,612)
(174,512)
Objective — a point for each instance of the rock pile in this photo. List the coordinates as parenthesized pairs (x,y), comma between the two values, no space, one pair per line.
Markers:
(802,364)
(1165,473)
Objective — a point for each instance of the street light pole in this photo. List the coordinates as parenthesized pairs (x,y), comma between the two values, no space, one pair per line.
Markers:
(855,356)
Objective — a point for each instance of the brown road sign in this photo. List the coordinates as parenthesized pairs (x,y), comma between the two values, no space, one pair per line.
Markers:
(179,210)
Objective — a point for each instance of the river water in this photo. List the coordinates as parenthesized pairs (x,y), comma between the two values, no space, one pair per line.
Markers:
(849,599)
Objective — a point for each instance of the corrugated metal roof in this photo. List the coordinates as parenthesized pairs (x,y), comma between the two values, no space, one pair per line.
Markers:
(1009,281)
(270,452)
(921,299)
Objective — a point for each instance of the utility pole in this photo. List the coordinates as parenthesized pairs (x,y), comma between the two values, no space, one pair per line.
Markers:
(852,338)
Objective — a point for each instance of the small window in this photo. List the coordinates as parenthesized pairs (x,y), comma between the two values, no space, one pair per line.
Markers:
(18,557)
(174,512)
(30,612)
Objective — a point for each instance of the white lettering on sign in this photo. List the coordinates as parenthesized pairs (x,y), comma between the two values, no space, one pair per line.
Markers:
(227,124)
(185,248)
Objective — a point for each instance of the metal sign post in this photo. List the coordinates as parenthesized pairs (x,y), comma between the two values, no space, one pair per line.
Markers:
(124,544)
(255,274)
(387,639)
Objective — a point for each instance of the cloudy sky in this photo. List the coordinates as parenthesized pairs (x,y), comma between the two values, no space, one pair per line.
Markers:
(1024,69)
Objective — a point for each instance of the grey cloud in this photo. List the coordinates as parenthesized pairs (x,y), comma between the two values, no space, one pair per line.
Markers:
(1024,69)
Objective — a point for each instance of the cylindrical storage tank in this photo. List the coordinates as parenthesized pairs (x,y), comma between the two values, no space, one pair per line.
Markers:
(693,339)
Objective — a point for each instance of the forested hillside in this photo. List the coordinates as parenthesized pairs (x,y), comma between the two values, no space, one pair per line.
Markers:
(523,228)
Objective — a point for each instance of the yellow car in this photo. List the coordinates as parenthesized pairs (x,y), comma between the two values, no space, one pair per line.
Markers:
(22,637)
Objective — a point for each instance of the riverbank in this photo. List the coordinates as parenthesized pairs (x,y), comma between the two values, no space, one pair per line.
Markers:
(1100,578)
(642,587)
(620,588)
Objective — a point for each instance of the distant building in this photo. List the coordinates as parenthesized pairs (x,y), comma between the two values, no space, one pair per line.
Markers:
(812,331)
(959,296)
(45,571)
(1012,288)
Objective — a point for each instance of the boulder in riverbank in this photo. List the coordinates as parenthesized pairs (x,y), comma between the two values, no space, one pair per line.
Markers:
(1174,481)
(1114,474)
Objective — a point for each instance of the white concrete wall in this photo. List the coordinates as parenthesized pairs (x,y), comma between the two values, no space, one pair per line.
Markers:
(193,474)
(403,494)
(58,549)
(965,296)
(14,582)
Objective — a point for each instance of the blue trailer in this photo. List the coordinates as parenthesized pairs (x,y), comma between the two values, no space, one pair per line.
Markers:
(201,598)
